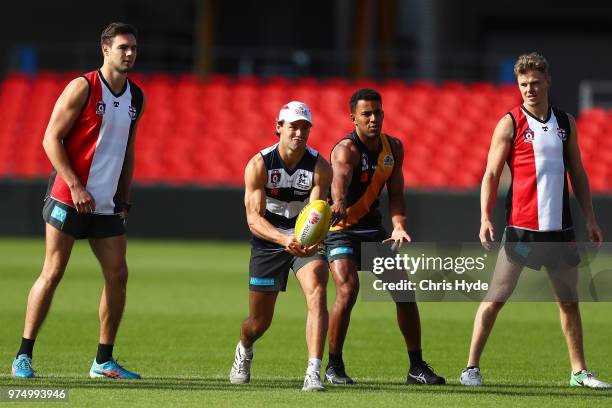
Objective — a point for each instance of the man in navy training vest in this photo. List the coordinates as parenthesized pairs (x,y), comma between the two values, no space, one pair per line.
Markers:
(279,182)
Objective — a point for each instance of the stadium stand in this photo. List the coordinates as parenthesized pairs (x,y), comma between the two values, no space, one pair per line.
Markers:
(193,124)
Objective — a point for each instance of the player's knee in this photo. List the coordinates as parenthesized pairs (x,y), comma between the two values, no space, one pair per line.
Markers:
(53,271)
(260,325)
(317,298)
(347,291)
(492,307)
(319,290)
(117,275)
(52,275)
(407,306)
(568,306)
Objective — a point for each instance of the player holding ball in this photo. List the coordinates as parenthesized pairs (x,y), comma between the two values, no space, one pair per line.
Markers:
(279,182)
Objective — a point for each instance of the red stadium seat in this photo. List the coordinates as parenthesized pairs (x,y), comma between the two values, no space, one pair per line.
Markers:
(217,115)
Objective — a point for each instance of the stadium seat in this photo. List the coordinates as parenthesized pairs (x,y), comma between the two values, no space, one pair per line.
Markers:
(219,115)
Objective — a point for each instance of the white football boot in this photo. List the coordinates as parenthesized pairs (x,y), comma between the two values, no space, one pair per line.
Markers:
(312,382)
(471,376)
(241,369)
(587,379)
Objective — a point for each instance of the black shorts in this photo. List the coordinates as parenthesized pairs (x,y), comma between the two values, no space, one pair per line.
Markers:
(535,249)
(347,245)
(269,269)
(67,219)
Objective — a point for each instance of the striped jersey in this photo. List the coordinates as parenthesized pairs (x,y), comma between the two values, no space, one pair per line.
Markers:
(368,181)
(287,191)
(96,144)
(538,198)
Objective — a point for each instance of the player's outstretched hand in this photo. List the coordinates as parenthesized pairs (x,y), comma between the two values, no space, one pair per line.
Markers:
(82,199)
(338,210)
(398,237)
(487,234)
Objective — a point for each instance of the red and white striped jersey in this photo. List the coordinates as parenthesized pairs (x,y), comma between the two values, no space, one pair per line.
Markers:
(538,199)
(96,144)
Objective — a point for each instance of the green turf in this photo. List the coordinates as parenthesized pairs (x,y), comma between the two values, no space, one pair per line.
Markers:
(186,301)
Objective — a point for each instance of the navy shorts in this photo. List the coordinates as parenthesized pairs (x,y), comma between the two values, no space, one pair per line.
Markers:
(535,249)
(67,219)
(345,244)
(269,268)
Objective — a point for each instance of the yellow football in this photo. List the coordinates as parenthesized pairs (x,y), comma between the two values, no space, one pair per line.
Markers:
(313,223)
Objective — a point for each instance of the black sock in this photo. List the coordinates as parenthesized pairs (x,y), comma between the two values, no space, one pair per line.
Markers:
(105,353)
(26,347)
(416,358)
(471,367)
(335,360)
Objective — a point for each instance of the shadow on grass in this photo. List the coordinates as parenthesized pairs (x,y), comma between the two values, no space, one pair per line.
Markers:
(267,384)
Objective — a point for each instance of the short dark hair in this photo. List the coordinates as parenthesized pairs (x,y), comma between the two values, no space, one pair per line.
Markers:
(281,123)
(114,29)
(364,94)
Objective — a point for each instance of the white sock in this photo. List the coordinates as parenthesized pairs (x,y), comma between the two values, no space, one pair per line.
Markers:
(314,365)
(244,350)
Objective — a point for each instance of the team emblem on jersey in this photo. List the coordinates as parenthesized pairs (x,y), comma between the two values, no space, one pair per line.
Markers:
(132,112)
(100,108)
(364,162)
(388,161)
(275,177)
(528,135)
(562,134)
(303,181)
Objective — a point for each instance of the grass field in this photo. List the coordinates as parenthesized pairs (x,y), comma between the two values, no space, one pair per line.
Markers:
(186,301)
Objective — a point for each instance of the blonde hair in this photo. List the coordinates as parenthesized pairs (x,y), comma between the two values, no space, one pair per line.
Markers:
(531,62)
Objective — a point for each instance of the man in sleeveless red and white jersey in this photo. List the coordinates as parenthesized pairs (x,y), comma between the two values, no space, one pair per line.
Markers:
(539,144)
(90,142)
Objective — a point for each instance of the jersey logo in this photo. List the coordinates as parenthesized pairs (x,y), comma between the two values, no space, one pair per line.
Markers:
(100,108)
(528,135)
(275,177)
(116,104)
(364,177)
(303,181)
(388,161)
(562,134)
(545,128)
(132,112)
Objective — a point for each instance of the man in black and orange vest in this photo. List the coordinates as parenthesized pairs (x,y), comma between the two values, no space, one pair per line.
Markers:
(363,163)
